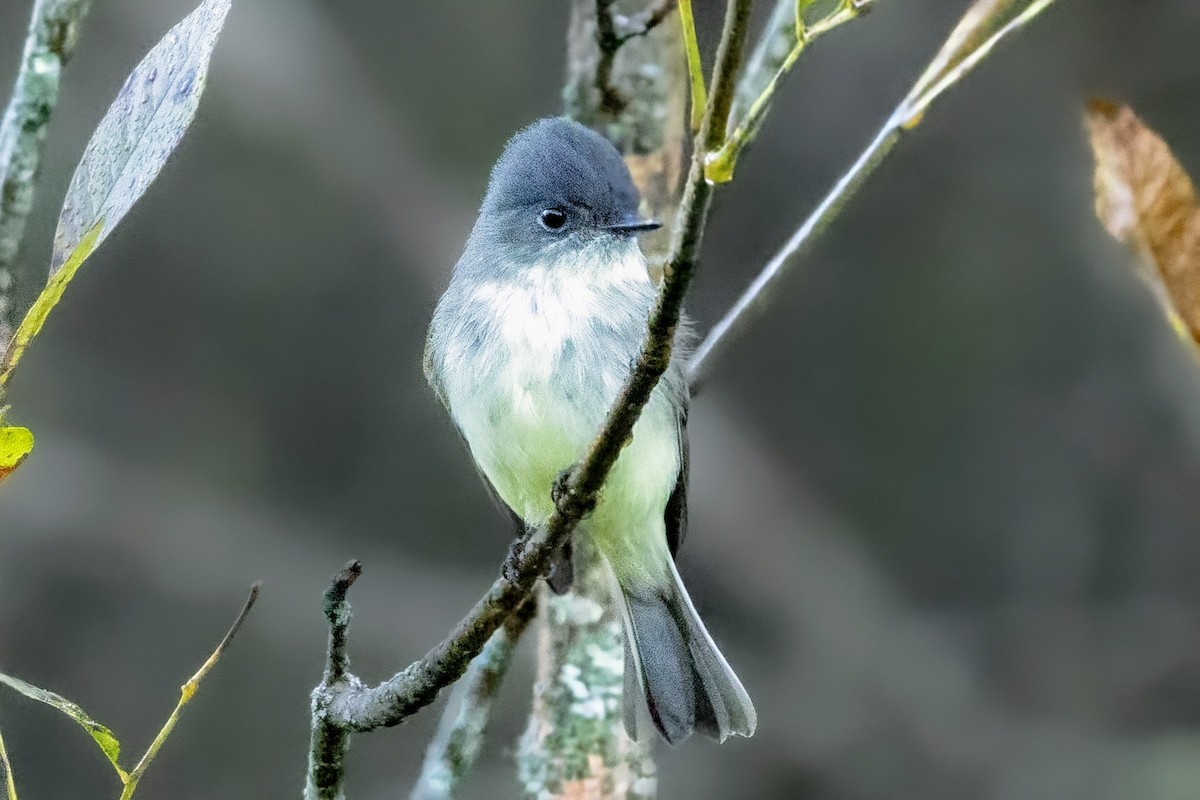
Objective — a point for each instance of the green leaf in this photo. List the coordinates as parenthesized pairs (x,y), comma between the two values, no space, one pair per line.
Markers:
(15,445)
(10,783)
(102,735)
(140,131)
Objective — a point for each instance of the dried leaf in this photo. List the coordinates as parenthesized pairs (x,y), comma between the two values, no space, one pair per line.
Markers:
(15,445)
(1145,199)
(984,25)
(102,735)
(140,130)
(981,20)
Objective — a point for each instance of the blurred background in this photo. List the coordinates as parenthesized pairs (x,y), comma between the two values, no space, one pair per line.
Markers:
(946,492)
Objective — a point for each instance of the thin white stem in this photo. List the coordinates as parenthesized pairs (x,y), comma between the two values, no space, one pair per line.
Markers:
(755,295)
(947,68)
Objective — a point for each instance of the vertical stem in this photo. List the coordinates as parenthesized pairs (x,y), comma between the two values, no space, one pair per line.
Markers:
(575,745)
(53,33)
(327,748)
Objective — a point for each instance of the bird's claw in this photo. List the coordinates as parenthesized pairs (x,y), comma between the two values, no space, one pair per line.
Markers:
(512,561)
(560,490)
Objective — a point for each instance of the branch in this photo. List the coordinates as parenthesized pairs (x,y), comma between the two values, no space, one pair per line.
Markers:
(648,20)
(340,704)
(53,34)
(327,750)
(453,751)
(967,45)
(609,40)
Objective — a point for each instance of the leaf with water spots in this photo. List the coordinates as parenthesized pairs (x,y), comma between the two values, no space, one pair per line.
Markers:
(102,735)
(141,129)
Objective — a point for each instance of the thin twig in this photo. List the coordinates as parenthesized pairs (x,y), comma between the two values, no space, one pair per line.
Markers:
(452,753)
(611,37)
(611,34)
(608,43)
(186,692)
(648,20)
(53,34)
(10,783)
(344,706)
(906,116)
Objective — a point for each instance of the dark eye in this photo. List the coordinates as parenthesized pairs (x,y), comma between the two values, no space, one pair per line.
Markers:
(553,219)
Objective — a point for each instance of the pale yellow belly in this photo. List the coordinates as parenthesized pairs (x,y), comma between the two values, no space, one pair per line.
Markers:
(523,435)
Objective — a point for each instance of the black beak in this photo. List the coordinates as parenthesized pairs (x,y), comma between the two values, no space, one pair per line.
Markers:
(631,226)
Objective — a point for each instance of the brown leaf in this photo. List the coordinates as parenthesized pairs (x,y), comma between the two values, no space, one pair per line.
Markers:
(1145,199)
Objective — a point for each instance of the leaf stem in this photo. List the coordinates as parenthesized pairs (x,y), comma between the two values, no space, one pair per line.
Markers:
(695,66)
(721,164)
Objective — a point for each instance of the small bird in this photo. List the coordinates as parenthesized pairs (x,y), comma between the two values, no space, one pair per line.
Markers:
(528,349)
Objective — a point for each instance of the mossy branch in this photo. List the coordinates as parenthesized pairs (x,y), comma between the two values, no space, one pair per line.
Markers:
(53,34)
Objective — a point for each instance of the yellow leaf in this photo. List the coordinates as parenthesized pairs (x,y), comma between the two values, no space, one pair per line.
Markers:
(35,318)
(1145,199)
(15,445)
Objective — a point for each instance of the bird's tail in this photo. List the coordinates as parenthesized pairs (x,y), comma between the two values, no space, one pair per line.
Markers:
(671,660)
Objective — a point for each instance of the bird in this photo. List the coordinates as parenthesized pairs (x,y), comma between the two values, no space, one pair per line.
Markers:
(528,348)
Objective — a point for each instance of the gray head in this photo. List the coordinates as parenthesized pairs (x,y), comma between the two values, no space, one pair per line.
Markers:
(558,184)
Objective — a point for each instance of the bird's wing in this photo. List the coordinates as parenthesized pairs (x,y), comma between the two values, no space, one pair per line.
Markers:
(676,513)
